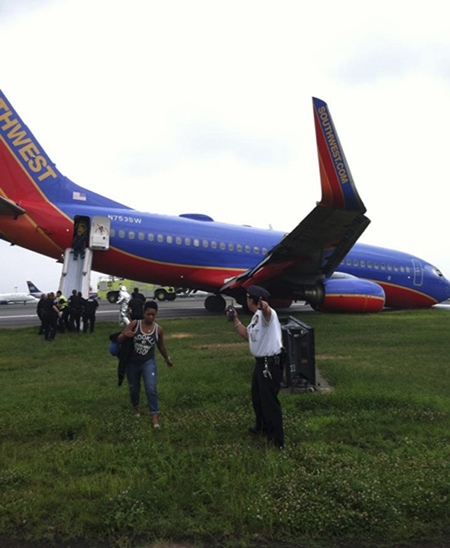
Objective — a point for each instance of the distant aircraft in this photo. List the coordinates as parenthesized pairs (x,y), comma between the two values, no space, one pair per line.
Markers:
(11,298)
(318,262)
(33,289)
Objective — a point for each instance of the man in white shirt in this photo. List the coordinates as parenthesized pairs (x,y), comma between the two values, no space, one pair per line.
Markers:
(265,343)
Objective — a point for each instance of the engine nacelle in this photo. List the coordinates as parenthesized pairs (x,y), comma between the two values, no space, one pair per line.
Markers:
(349,294)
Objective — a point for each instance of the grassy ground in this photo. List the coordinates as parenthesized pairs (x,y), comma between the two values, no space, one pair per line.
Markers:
(364,465)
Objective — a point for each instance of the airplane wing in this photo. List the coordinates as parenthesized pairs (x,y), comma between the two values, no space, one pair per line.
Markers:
(315,248)
(7,207)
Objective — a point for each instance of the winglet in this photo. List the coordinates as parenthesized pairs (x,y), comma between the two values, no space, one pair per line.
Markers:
(338,188)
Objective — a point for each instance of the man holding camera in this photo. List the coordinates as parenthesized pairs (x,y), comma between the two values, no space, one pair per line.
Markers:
(265,343)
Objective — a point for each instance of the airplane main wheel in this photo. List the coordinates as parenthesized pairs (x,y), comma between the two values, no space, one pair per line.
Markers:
(215,303)
(160,294)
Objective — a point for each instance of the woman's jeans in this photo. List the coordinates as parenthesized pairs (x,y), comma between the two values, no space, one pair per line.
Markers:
(146,371)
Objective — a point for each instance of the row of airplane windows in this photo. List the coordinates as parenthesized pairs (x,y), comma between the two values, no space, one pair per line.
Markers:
(376,265)
(196,242)
(178,240)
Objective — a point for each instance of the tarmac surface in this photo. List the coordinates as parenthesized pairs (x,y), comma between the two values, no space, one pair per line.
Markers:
(14,316)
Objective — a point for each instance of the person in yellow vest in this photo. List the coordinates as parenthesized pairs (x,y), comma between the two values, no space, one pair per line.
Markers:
(63,306)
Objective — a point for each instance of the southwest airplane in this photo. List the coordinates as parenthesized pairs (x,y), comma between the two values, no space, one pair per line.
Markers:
(318,262)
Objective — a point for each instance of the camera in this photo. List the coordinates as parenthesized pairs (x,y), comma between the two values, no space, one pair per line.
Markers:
(230,313)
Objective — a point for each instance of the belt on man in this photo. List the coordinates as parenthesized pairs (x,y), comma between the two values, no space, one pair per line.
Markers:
(269,360)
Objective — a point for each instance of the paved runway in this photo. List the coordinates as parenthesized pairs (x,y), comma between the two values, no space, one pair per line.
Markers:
(23,315)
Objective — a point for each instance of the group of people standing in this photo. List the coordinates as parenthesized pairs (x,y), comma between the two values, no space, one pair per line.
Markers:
(59,313)
(141,335)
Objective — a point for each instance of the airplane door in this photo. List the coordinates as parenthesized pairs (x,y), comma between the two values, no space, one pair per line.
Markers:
(80,239)
(418,272)
(100,231)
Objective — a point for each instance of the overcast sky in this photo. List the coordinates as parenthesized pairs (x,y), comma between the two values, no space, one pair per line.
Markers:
(206,106)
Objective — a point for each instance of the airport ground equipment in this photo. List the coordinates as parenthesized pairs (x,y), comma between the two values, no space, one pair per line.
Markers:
(108,288)
(300,361)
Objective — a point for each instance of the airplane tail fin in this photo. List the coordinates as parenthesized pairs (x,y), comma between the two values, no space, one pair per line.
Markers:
(33,290)
(28,175)
(338,188)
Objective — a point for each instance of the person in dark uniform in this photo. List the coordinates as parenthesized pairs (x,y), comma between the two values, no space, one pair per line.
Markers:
(51,315)
(146,334)
(138,294)
(75,307)
(136,306)
(40,312)
(90,306)
(265,343)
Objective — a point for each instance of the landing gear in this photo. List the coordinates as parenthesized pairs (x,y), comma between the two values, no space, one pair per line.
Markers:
(215,303)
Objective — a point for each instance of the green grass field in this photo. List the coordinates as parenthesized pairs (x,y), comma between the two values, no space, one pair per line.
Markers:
(366,464)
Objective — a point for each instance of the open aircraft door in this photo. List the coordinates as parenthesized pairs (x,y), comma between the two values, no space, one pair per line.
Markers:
(89,236)
(100,233)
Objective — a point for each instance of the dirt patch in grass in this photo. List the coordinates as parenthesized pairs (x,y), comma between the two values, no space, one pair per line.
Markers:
(330,357)
(219,345)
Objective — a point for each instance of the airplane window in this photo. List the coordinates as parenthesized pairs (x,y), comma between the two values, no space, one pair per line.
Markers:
(383,266)
(131,235)
(369,264)
(169,239)
(389,267)
(402,269)
(160,238)
(187,241)
(141,235)
(239,247)
(256,249)
(377,266)
(178,240)
(349,262)
(205,243)
(121,233)
(395,268)
(264,250)
(196,242)
(214,245)
(230,247)
(150,237)
(355,262)
(408,270)
(113,232)
(363,263)
(222,245)
(247,249)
